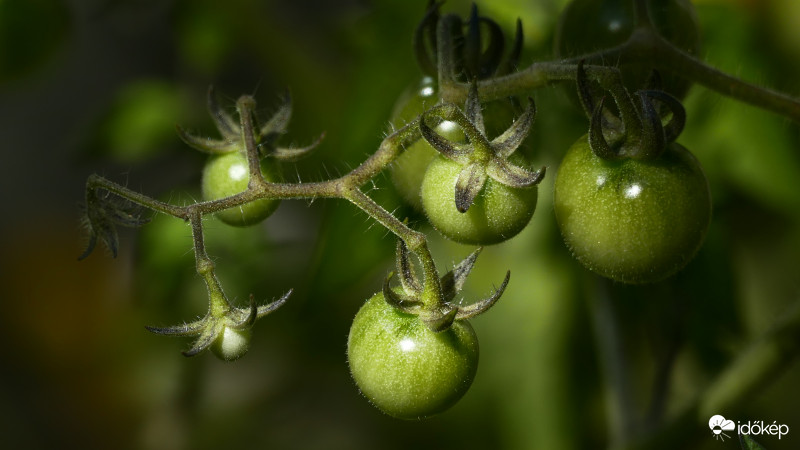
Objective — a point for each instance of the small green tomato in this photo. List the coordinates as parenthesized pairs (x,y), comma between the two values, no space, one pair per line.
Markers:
(631,220)
(231,344)
(498,213)
(228,174)
(405,369)
(408,169)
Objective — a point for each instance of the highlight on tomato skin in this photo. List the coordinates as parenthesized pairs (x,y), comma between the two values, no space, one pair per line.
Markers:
(633,221)
(405,369)
(228,174)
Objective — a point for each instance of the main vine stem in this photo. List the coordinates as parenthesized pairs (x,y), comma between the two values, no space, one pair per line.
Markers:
(346,187)
(645,45)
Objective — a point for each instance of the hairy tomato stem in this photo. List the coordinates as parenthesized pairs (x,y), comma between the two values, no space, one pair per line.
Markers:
(644,44)
(245,106)
(698,71)
(218,303)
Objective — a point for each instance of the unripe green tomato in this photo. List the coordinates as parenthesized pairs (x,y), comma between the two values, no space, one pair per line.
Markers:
(634,221)
(405,369)
(228,174)
(498,213)
(590,25)
(232,344)
(408,169)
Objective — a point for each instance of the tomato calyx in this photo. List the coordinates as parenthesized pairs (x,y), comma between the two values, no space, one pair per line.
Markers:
(643,130)
(215,327)
(478,53)
(225,328)
(432,298)
(102,214)
(480,157)
(234,135)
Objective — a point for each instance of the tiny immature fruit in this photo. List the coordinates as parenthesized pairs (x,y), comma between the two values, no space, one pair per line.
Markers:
(231,344)
(229,174)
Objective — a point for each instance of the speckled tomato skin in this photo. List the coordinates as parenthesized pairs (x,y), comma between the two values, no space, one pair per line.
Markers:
(634,221)
(228,174)
(498,213)
(405,369)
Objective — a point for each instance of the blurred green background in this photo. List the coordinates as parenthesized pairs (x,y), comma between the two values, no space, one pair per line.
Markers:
(96,86)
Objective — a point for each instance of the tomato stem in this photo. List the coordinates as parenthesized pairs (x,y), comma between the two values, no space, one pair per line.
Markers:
(218,302)
(614,363)
(641,15)
(245,106)
(689,66)
(415,241)
(644,45)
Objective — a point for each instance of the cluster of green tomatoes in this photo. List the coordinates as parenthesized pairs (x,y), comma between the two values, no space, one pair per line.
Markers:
(632,204)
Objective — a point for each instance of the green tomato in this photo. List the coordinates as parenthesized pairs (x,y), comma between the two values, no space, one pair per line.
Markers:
(498,213)
(231,344)
(228,174)
(634,221)
(590,25)
(405,369)
(408,169)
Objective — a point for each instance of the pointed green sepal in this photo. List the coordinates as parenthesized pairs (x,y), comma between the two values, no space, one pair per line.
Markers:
(453,281)
(466,312)
(469,184)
